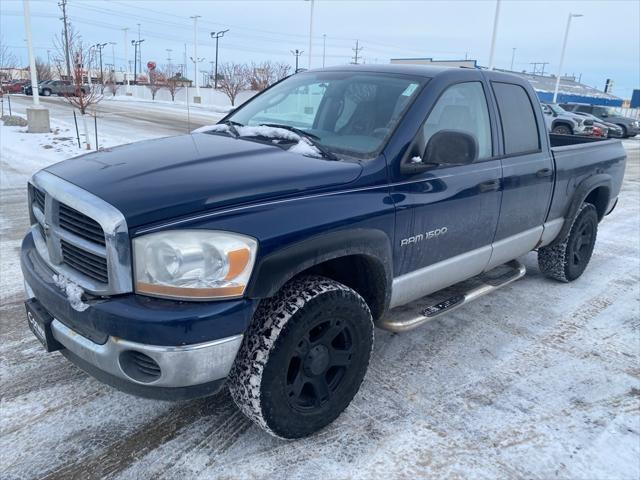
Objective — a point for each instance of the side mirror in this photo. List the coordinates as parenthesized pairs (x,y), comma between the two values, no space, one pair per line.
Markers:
(446,147)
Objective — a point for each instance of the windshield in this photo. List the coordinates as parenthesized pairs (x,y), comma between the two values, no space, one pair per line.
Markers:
(347,112)
(557,108)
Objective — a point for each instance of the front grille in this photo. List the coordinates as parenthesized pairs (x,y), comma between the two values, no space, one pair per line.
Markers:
(85,262)
(80,235)
(38,198)
(80,224)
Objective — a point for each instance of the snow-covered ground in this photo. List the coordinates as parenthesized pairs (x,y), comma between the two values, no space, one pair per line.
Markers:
(538,380)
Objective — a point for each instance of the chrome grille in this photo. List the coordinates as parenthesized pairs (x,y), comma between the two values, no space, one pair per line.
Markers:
(80,235)
(91,265)
(80,224)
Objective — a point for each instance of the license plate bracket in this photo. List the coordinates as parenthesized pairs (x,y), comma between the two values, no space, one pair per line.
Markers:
(39,321)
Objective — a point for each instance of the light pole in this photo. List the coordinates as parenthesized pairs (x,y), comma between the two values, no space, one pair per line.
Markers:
(513,57)
(195,57)
(493,34)
(310,32)
(113,54)
(136,47)
(126,61)
(217,36)
(37,117)
(564,47)
(324,47)
(169,66)
(100,46)
(297,53)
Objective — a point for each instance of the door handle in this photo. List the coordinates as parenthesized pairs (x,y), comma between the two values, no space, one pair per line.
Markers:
(545,172)
(489,186)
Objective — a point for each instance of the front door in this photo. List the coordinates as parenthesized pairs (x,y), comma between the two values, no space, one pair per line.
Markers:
(446,218)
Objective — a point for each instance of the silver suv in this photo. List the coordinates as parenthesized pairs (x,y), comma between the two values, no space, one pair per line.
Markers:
(559,121)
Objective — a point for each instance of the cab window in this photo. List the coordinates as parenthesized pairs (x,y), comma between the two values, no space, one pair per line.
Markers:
(462,107)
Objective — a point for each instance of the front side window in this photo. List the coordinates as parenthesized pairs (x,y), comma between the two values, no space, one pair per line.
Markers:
(519,126)
(462,107)
(347,112)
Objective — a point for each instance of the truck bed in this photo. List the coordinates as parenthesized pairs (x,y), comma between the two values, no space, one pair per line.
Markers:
(577,158)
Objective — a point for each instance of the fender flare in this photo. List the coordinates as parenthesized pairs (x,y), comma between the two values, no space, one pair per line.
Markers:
(277,268)
(582,191)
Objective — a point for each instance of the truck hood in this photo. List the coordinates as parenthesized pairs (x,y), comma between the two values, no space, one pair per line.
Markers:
(161,179)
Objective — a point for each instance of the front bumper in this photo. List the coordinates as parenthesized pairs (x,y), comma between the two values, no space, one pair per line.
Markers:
(193,345)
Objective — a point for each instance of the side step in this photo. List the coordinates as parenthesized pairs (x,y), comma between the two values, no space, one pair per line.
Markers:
(444,301)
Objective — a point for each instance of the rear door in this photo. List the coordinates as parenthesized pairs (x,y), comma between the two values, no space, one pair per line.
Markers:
(527,169)
(446,217)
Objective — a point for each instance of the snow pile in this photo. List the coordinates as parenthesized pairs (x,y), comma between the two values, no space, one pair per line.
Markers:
(73,291)
(302,147)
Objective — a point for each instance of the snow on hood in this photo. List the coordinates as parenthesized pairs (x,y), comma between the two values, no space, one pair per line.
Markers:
(303,147)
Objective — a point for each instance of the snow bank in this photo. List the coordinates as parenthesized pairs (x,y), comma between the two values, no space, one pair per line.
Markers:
(73,291)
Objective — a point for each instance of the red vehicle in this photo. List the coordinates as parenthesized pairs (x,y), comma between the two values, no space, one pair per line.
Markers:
(599,131)
(15,86)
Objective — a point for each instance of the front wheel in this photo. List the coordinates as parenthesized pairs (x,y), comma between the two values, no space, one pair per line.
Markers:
(566,261)
(561,130)
(304,357)
(46,92)
(625,134)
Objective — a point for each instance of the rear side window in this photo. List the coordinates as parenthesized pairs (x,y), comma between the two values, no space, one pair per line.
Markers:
(519,126)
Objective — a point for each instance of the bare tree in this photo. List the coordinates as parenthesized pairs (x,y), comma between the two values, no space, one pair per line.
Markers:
(111,83)
(264,74)
(235,78)
(8,61)
(173,83)
(84,94)
(156,82)
(43,71)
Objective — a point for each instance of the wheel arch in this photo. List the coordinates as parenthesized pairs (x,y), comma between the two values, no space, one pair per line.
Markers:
(595,189)
(360,259)
(565,123)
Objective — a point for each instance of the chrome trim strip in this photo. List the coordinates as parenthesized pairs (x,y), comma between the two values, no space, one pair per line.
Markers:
(551,231)
(180,366)
(413,285)
(116,251)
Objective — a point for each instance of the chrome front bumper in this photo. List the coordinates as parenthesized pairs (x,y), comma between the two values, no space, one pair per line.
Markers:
(180,366)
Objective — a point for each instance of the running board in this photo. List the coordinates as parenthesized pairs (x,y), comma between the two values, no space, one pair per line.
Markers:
(428,308)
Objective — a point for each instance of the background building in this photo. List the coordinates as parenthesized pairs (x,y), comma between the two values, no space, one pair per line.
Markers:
(571,90)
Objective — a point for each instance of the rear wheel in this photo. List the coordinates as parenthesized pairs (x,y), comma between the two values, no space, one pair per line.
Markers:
(566,261)
(624,130)
(304,357)
(561,130)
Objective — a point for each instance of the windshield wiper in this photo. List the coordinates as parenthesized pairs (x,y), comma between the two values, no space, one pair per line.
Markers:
(313,139)
(232,127)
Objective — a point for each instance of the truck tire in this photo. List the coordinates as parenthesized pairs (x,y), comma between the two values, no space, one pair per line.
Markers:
(567,260)
(625,134)
(303,358)
(562,130)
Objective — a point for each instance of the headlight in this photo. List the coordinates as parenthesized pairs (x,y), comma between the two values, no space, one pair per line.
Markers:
(636,124)
(193,264)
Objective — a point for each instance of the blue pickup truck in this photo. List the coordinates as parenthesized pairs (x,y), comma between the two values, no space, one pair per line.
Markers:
(259,253)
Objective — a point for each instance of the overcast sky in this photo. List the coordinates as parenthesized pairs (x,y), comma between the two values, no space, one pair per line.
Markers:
(605,43)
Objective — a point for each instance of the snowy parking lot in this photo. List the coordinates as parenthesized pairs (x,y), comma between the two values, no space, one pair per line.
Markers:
(538,380)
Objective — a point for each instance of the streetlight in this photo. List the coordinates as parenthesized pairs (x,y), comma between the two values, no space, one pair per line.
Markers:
(136,46)
(297,53)
(564,47)
(310,33)
(493,34)
(195,59)
(100,46)
(217,36)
